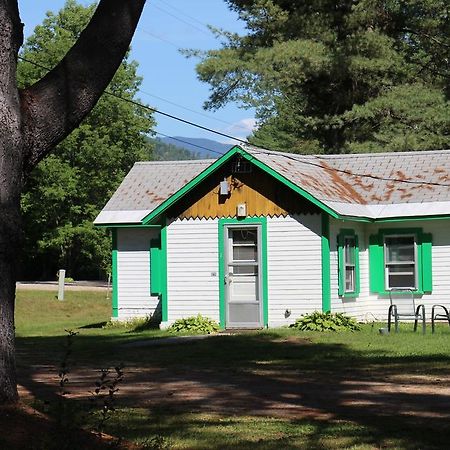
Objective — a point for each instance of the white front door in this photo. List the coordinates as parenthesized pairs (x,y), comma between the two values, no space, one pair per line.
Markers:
(243,276)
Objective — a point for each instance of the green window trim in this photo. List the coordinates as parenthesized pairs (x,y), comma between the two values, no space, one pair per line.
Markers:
(343,234)
(158,269)
(164,290)
(325,254)
(377,277)
(262,221)
(114,270)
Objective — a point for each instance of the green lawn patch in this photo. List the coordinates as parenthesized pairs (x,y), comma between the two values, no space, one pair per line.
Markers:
(263,367)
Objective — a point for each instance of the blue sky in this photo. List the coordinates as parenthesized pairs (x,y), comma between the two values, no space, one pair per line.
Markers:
(169,79)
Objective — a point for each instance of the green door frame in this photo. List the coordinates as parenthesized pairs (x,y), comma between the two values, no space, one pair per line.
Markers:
(326,272)
(262,221)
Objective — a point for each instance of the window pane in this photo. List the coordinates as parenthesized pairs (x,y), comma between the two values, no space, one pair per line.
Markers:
(406,269)
(245,270)
(401,281)
(400,249)
(349,279)
(349,250)
(245,253)
(248,237)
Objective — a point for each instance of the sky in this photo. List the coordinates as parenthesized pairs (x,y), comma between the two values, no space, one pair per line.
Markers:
(170,82)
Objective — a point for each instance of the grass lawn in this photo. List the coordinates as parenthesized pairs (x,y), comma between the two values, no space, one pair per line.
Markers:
(346,382)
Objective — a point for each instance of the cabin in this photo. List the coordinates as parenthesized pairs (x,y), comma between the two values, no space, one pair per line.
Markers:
(257,238)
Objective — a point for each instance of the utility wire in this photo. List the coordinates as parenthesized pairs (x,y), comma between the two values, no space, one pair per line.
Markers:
(166,41)
(183,13)
(156,111)
(190,143)
(193,110)
(179,119)
(181,20)
(260,150)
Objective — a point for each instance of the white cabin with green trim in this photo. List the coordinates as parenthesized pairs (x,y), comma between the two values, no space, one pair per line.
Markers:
(258,238)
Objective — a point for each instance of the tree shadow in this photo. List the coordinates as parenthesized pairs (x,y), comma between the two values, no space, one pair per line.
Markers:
(93,326)
(401,398)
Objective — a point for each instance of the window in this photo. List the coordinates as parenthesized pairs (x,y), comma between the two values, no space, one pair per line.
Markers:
(400,259)
(348,258)
(400,262)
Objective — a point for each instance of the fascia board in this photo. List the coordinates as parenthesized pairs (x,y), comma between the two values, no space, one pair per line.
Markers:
(120,217)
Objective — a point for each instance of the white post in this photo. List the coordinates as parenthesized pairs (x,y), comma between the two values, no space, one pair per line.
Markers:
(61,277)
(109,286)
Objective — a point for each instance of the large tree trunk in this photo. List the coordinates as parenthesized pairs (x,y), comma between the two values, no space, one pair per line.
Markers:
(33,121)
(11,162)
(9,242)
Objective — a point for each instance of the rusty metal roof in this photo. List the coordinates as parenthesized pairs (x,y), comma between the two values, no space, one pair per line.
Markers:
(366,179)
(146,186)
(374,185)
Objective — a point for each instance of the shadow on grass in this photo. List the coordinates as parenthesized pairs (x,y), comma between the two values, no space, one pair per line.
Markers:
(381,395)
(93,326)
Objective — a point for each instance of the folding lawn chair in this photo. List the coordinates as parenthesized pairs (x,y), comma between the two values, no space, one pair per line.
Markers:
(403,307)
(436,314)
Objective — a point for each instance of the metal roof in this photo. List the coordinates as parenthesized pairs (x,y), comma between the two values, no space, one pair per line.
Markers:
(372,185)
(146,186)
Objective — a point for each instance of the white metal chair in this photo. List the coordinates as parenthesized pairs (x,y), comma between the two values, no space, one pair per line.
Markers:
(403,307)
(437,314)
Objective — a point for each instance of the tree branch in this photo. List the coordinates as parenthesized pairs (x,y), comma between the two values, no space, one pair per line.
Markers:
(56,104)
(428,36)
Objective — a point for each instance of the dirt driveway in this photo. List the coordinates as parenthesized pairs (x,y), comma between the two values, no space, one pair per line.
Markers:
(350,394)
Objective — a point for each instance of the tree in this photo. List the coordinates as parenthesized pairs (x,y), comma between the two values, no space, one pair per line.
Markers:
(164,151)
(34,120)
(65,192)
(334,76)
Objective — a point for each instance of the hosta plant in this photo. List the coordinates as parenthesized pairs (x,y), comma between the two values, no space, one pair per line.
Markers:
(319,321)
(195,325)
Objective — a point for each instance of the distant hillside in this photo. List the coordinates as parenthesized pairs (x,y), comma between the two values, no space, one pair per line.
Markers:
(168,152)
(205,148)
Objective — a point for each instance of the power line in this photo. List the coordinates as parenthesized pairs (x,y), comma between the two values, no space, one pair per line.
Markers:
(260,150)
(183,13)
(156,111)
(348,172)
(193,110)
(179,119)
(189,143)
(181,20)
(166,41)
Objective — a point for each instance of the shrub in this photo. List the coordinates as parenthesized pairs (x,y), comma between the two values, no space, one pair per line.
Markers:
(132,324)
(194,325)
(319,321)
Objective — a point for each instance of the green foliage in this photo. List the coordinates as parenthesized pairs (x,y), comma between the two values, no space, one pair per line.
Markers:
(169,152)
(134,324)
(68,188)
(318,321)
(337,76)
(195,325)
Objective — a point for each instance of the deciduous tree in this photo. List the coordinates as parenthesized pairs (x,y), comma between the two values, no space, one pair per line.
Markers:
(66,191)
(34,120)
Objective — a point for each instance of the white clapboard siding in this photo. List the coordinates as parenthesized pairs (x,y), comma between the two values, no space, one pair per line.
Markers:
(133,268)
(193,268)
(294,267)
(355,307)
(440,230)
